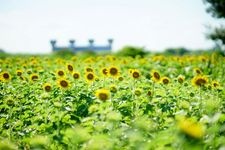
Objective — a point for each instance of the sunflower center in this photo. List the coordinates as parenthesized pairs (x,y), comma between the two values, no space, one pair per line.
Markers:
(6,75)
(200,81)
(113,71)
(104,71)
(64,83)
(103,96)
(19,73)
(136,74)
(75,75)
(156,75)
(149,93)
(70,68)
(90,76)
(198,71)
(60,73)
(47,88)
(165,81)
(89,70)
(34,77)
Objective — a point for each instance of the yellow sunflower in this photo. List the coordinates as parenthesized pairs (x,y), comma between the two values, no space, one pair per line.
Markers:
(114,71)
(197,71)
(76,75)
(69,67)
(47,87)
(34,77)
(180,78)
(88,69)
(215,84)
(5,76)
(19,72)
(63,83)
(165,80)
(199,80)
(60,73)
(102,94)
(89,76)
(155,75)
(191,128)
(104,71)
(135,74)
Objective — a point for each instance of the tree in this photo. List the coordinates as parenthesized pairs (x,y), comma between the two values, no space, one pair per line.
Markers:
(132,51)
(217,9)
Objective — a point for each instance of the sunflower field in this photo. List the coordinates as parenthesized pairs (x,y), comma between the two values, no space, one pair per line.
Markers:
(112,103)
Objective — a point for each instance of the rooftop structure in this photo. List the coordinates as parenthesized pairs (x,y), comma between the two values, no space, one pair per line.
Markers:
(75,48)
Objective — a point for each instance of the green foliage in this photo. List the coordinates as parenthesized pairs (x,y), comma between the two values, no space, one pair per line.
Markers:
(63,53)
(216,7)
(86,54)
(131,51)
(176,51)
(141,113)
(218,34)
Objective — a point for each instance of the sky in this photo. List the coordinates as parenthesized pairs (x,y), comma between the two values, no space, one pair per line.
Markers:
(27,26)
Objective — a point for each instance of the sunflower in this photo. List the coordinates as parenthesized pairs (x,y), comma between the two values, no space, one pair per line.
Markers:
(34,77)
(90,76)
(135,74)
(191,128)
(155,75)
(5,76)
(165,80)
(102,94)
(180,78)
(113,71)
(70,67)
(215,84)
(104,71)
(203,58)
(130,71)
(47,87)
(63,83)
(60,73)
(19,72)
(199,80)
(76,75)
(88,69)
(197,71)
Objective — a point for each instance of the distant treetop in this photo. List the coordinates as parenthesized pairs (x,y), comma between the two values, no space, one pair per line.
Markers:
(216,8)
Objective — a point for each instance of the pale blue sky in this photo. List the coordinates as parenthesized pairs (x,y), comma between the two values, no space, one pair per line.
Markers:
(28,25)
